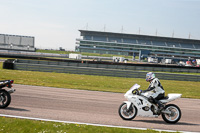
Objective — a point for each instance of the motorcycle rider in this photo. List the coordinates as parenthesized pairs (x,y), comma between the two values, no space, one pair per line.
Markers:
(155,91)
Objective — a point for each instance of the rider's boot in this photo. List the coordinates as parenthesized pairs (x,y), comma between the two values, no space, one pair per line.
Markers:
(160,106)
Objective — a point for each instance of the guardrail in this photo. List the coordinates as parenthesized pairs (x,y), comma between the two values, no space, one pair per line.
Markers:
(122,66)
(94,69)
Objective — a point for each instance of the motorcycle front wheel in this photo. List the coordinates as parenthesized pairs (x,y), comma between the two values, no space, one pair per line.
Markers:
(175,115)
(5,99)
(127,114)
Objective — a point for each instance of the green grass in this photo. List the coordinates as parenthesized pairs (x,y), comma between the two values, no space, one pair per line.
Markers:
(13,125)
(83,53)
(98,83)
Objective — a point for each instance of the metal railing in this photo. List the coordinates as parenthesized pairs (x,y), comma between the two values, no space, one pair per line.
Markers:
(115,66)
(96,69)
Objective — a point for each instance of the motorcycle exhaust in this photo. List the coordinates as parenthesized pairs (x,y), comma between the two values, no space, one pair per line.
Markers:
(11,91)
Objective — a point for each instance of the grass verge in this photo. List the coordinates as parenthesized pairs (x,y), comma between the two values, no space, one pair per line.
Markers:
(83,53)
(13,125)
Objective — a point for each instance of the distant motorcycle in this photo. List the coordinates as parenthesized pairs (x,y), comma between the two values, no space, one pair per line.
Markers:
(139,105)
(5,97)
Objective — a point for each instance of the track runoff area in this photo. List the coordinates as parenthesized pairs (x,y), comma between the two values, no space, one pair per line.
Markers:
(100,125)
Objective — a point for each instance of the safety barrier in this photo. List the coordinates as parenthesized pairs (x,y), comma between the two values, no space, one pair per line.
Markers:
(96,69)
(122,66)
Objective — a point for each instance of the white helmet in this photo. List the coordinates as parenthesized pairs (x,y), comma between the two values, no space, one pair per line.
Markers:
(150,76)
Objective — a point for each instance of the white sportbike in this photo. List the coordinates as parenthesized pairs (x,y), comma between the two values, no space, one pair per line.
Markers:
(139,105)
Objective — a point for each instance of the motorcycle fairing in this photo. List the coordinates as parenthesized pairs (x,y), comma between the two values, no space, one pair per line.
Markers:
(128,104)
(141,103)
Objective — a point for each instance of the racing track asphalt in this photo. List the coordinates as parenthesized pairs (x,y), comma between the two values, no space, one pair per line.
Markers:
(92,107)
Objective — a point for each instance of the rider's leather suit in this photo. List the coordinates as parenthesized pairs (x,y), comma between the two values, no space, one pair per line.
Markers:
(155,91)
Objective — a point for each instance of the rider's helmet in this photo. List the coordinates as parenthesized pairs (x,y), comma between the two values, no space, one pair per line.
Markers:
(150,76)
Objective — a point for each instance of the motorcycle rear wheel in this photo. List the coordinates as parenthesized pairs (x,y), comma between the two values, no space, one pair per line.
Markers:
(175,115)
(126,114)
(5,99)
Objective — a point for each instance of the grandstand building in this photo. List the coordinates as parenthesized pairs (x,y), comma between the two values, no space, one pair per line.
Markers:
(16,42)
(134,44)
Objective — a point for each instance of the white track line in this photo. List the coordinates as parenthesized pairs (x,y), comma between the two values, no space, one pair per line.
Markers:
(100,125)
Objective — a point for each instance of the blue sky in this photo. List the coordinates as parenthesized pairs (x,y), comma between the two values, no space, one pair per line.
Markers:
(55,23)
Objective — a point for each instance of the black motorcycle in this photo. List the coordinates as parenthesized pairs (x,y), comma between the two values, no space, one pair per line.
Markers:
(5,97)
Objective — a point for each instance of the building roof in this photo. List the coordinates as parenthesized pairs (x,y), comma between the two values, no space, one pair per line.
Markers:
(138,36)
(17,35)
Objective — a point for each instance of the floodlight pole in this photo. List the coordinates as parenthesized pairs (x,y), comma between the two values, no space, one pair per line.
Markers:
(139,30)
(156,32)
(122,29)
(173,34)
